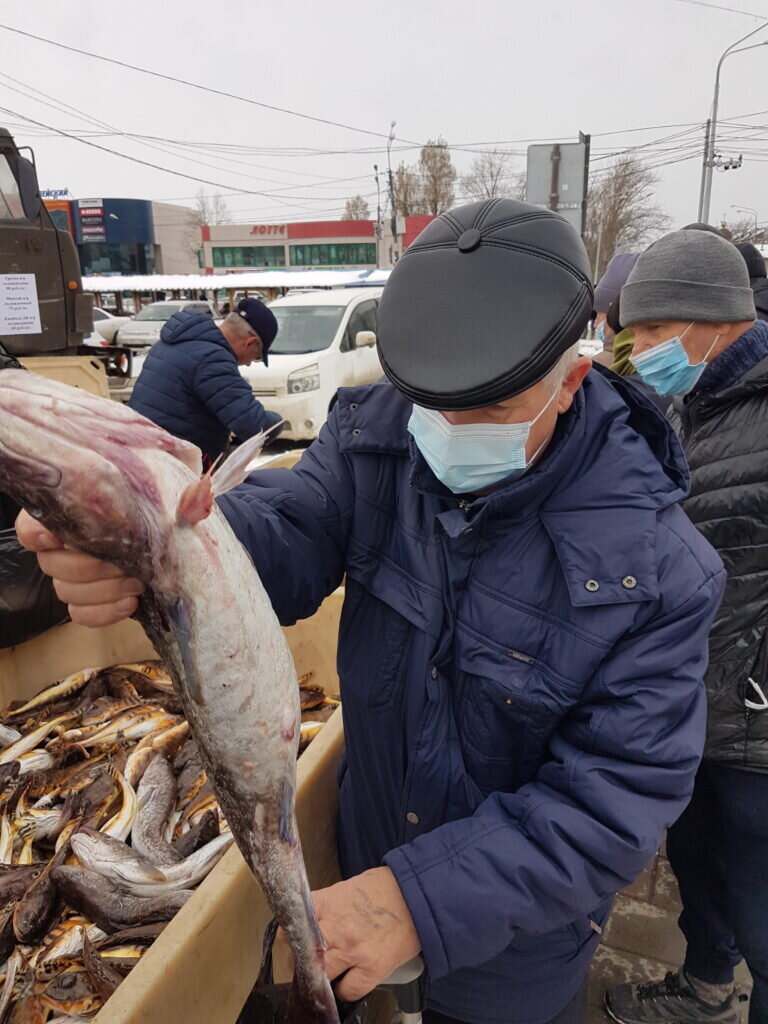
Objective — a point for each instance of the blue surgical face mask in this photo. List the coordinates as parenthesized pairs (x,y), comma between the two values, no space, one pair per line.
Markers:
(472,457)
(666,368)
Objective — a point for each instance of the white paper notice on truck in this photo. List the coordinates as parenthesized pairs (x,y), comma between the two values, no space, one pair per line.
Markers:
(19,308)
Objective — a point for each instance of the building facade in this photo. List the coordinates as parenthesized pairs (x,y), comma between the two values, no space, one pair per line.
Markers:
(337,244)
(137,236)
(128,236)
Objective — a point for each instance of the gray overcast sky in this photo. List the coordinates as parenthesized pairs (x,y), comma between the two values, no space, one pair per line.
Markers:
(491,70)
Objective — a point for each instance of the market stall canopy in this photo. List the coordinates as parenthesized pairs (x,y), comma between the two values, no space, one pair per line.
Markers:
(253,280)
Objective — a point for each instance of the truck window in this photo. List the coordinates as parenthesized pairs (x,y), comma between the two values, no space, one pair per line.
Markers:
(11,207)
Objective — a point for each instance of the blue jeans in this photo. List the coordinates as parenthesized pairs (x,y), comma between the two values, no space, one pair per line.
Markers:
(719,852)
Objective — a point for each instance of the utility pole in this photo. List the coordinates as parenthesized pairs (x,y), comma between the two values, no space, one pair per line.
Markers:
(704,166)
(378,215)
(392,204)
(599,247)
(709,156)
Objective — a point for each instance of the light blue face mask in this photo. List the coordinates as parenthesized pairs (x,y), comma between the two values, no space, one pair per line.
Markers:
(473,456)
(601,332)
(666,368)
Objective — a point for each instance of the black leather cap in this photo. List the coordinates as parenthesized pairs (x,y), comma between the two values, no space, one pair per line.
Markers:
(483,303)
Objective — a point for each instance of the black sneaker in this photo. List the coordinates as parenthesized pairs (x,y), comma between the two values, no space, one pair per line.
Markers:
(672,1001)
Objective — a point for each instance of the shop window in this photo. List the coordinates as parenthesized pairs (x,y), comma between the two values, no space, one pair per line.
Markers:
(333,255)
(248,256)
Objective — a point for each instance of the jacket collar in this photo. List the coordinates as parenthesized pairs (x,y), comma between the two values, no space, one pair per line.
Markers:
(612,465)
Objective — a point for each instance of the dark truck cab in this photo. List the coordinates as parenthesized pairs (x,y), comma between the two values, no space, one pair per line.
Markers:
(30,243)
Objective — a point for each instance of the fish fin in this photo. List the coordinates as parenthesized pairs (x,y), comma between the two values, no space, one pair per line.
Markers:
(236,468)
(195,503)
(179,613)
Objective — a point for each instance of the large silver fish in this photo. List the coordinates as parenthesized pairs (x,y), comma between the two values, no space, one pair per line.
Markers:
(111,483)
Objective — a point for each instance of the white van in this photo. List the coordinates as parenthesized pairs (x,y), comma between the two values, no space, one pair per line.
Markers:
(326,340)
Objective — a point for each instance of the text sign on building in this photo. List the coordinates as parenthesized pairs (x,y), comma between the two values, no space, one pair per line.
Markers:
(92,220)
(268,229)
(19,308)
(556,178)
(54,193)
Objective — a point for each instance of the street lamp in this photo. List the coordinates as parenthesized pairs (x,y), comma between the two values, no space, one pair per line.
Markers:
(709,153)
(748,209)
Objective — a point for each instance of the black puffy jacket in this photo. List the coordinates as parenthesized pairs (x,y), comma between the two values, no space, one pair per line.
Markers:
(760,291)
(725,437)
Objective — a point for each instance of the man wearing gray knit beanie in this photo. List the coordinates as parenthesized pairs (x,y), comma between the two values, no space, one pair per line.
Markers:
(689,305)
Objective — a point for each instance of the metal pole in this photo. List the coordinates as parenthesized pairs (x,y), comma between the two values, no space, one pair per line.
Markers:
(705,158)
(706,190)
(378,215)
(599,247)
(586,140)
(554,185)
(393,206)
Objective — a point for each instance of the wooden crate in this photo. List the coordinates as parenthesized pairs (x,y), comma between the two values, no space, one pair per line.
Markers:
(202,967)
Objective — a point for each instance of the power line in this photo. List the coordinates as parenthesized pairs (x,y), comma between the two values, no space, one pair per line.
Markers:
(133,159)
(60,106)
(719,7)
(194,85)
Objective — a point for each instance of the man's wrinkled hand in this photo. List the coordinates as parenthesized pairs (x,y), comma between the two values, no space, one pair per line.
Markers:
(368,931)
(98,593)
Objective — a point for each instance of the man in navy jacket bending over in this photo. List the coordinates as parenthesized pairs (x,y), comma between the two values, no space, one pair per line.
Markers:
(191,385)
(524,632)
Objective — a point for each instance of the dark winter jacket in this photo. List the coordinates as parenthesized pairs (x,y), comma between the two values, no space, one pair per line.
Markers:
(724,429)
(760,291)
(191,386)
(521,676)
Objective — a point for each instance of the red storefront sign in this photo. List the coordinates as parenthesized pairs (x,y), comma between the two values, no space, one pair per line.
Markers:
(268,229)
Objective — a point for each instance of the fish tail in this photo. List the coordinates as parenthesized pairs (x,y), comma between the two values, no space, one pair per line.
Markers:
(285,881)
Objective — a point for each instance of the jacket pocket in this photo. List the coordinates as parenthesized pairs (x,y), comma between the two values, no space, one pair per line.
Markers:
(374,648)
(505,729)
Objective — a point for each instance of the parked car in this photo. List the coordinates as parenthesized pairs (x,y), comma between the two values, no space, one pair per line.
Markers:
(143,330)
(107,325)
(326,340)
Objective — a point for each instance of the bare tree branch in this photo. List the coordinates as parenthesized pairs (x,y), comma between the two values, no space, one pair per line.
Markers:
(488,177)
(427,187)
(743,230)
(207,210)
(408,192)
(622,213)
(356,208)
(438,176)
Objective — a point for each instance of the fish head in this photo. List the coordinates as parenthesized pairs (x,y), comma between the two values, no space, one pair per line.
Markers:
(77,462)
(86,847)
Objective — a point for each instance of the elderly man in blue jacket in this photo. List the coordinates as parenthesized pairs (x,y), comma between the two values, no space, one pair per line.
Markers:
(191,385)
(524,632)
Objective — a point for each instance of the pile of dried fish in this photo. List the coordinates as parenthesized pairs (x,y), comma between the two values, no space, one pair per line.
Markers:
(107,824)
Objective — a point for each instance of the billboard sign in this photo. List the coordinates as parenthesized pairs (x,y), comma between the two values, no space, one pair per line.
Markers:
(91,214)
(557,178)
